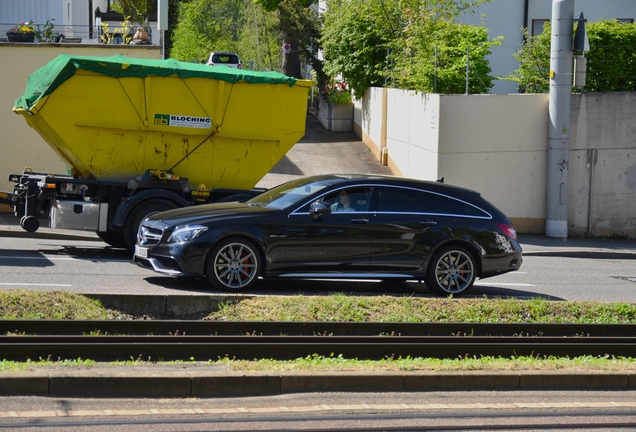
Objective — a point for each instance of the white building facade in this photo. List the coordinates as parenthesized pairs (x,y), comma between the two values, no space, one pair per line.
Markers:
(508,18)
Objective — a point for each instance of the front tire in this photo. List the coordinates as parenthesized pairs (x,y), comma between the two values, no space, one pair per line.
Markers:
(233,265)
(452,271)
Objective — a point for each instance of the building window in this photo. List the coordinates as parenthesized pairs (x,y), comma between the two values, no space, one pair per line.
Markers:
(625,20)
(537,26)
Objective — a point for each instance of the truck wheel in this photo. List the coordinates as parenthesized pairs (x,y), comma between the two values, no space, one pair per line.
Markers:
(112,238)
(233,265)
(29,223)
(452,271)
(141,212)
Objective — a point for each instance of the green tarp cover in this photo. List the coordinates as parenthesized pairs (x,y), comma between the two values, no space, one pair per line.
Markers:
(45,80)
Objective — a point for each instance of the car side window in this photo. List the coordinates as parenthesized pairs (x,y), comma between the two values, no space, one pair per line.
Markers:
(439,204)
(349,199)
(358,198)
(402,200)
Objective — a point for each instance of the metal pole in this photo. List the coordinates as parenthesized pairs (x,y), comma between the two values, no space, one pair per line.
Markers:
(435,72)
(467,65)
(556,223)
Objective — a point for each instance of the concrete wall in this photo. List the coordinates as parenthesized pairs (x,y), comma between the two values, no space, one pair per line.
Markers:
(21,146)
(497,145)
(603,134)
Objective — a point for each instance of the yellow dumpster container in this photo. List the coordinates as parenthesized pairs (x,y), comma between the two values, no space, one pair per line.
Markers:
(112,118)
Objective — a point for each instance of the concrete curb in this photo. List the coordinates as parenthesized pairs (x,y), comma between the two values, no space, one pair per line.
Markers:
(591,254)
(113,383)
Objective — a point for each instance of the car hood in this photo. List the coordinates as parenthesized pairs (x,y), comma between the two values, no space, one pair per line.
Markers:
(205,213)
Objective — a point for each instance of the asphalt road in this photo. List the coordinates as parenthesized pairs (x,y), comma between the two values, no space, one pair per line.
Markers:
(84,264)
(329,411)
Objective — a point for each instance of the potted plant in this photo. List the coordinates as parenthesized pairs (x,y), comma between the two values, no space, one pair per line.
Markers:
(336,107)
(24,32)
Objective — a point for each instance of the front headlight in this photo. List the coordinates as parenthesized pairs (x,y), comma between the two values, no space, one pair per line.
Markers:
(187,233)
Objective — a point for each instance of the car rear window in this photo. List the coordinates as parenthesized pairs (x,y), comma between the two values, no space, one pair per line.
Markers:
(225,58)
(407,200)
(440,204)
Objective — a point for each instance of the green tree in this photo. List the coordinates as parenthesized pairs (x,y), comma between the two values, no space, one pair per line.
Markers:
(533,75)
(368,42)
(357,37)
(611,61)
(300,29)
(206,26)
(418,67)
(137,10)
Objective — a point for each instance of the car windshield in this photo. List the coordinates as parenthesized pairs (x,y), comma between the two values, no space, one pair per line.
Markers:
(287,194)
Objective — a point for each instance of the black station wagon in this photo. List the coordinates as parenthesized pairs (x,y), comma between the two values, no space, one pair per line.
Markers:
(336,226)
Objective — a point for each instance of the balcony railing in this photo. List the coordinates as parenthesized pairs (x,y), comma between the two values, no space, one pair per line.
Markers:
(116,33)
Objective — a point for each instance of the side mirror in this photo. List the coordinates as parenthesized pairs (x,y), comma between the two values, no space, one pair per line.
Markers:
(319,208)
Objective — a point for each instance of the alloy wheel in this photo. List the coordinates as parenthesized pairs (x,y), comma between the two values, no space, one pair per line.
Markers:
(235,265)
(454,271)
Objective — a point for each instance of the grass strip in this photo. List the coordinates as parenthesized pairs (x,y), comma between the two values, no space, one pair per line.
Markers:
(386,308)
(338,363)
(25,304)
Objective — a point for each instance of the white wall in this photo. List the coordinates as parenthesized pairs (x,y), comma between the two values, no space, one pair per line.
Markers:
(497,145)
(413,133)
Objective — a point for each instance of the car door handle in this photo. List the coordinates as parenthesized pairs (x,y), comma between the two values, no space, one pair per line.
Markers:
(428,223)
(359,221)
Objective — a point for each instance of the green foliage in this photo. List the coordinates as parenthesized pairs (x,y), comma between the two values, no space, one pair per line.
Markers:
(272,5)
(611,64)
(47,34)
(416,68)
(611,61)
(338,93)
(259,39)
(137,10)
(205,26)
(368,42)
(533,74)
(240,26)
(356,39)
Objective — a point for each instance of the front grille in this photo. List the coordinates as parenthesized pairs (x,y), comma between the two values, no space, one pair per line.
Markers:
(149,236)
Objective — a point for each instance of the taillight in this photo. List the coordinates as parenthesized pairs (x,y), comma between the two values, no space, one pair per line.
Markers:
(508,230)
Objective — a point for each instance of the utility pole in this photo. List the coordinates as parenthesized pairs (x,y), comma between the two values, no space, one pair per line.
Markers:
(556,224)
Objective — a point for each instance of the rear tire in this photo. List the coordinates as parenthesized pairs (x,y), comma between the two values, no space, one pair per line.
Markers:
(141,212)
(113,239)
(233,264)
(452,271)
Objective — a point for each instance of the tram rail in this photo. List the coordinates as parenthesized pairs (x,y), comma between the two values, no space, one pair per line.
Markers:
(206,340)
